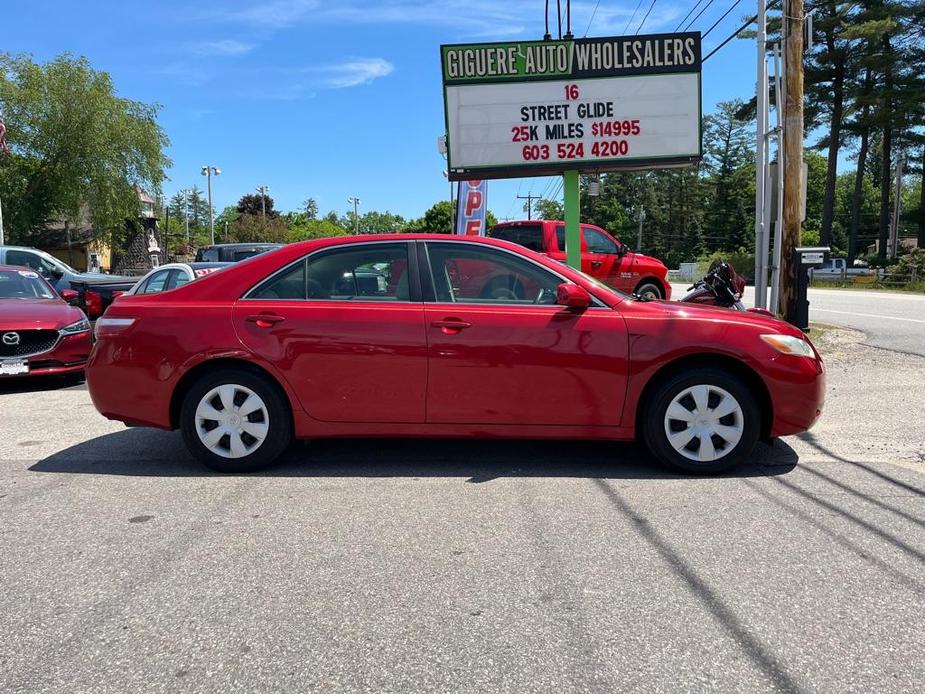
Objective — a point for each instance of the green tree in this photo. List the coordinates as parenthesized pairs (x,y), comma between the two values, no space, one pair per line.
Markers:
(75,144)
(440,218)
(728,152)
(381,222)
(310,208)
(544,208)
(256,204)
(257,228)
(303,228)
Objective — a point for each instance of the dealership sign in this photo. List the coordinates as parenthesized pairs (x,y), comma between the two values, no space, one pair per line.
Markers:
(542,107)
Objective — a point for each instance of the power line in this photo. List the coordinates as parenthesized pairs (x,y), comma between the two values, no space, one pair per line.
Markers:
(630,21)
(689,13)
(771,6)
(594,12)
(643,22)
(730,37)
(705,8)
(716,23)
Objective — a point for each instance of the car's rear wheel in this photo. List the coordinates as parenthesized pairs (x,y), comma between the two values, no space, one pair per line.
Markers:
(702,421)
(649,290)
(235,421)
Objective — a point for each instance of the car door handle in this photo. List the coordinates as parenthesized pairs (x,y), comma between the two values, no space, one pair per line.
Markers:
(451,327)
(265,320)
(596,264)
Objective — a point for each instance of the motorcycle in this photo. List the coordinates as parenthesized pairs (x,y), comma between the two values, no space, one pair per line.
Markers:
(721,286)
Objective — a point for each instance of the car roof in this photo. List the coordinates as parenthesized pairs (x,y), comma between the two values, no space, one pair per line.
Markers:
(256,244)
(205,265)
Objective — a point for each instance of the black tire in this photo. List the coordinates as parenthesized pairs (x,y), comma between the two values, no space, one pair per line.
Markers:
(278,416)
(651,289)
(653,423)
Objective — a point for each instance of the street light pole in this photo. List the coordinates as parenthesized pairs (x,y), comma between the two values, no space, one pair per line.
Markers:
(356,220)
(263,200)
(186,216)
(208,171)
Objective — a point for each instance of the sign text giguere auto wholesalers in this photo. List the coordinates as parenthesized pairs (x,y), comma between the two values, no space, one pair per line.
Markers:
(537,107)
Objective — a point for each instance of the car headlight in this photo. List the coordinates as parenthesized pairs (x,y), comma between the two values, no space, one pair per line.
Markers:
(81,326)
(789,344)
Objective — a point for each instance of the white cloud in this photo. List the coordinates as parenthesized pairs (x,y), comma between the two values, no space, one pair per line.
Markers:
(354,72)
(223,47)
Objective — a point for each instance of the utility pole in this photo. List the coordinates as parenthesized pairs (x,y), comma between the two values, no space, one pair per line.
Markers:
(356,219)
(793,153)
(640,217)
(263,200)
(208,172)
(897,208)
(761,161)
(529,198)
(2,242)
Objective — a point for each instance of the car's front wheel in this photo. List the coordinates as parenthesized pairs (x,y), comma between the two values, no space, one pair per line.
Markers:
(704,420)
(235,421)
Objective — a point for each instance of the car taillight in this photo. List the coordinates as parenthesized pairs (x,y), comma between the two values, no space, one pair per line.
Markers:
(94,303)
(108,327)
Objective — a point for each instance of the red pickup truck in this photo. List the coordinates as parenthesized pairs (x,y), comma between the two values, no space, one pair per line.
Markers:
(602,256)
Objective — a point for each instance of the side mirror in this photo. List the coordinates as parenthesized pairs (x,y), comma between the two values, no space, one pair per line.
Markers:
(56,273)
(573,296)
(70,296)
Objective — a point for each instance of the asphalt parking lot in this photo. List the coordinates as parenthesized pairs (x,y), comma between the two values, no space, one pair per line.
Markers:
(468,566)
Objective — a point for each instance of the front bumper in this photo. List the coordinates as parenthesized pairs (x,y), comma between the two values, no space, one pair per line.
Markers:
(69,355)
(797,389)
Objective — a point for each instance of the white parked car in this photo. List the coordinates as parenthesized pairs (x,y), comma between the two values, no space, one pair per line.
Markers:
(173,275)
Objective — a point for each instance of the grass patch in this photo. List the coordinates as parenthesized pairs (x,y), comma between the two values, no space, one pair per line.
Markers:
(821,334)
(912,287)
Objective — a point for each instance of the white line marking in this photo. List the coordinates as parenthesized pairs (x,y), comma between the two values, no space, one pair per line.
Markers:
(866,315)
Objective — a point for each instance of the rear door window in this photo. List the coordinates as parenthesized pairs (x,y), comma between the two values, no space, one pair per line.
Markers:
(527,235)
(156,282)
(178,278)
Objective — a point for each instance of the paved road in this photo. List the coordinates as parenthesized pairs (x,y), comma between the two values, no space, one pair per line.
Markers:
(454,566)
(891,320)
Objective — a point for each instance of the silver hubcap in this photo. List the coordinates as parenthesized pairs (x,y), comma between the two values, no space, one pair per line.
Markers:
(704,423)
(651,294)
(232,421)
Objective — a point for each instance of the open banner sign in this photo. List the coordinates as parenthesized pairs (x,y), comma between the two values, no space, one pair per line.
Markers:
(471,208)
(542,107)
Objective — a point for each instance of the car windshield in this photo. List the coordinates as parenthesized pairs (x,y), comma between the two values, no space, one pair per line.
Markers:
(59,263)
(23,284)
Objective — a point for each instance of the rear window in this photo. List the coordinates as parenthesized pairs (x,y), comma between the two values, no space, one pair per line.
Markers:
(207,255)
(527,235)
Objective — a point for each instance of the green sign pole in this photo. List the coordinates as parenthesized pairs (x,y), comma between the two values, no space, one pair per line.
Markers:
(572,213)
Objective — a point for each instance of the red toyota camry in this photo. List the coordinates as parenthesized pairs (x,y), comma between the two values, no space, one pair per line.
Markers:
(439,336)
(40,334)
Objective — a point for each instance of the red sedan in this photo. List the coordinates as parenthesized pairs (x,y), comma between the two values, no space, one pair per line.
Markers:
(40,334)
(437,336)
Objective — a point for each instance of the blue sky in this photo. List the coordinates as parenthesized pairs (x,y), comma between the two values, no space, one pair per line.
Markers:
(325,99)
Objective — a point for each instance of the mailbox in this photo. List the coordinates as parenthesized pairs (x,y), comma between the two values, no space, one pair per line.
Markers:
(803,259)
